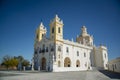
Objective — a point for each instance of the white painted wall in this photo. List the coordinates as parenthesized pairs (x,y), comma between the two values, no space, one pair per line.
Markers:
(114,65)
(96,59)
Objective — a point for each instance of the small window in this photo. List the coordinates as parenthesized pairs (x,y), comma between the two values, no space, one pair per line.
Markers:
(40,50)
(84,54)
(59,30)
(42,35)
(46,49)
(53,30)
(35,52)
(37,36)
(43,46)
(67,49)
(59,48)
(105,55)
(52,49)
(43,50)
(77,53)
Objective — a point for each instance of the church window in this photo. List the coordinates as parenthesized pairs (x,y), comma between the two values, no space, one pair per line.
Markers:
(40,50)
(37,36)
(43,50)
(67,49)
(46,49)
(77,53)
(43,46)
(53,30)
(105,55)
(59,30)
(59,48)
(35,52)
(42,35)
(84,54)
(52,49)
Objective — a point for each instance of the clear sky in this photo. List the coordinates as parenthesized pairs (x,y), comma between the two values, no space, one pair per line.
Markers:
(20,18)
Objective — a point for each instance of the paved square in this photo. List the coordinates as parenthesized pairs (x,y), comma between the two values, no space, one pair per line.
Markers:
(81,75)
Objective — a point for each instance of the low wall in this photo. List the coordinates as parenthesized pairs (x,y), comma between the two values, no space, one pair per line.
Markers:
(62,69)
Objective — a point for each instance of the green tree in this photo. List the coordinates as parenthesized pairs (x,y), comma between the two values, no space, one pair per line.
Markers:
(9,61)
(25,63)
(13,62)
(6,61)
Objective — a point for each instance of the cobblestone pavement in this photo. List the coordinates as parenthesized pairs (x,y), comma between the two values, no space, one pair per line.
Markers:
(80,75)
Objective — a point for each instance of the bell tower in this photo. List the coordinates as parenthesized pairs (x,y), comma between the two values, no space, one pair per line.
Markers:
(56,29)
(40,32)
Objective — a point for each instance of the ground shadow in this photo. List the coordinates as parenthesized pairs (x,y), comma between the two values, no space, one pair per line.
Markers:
(112,75)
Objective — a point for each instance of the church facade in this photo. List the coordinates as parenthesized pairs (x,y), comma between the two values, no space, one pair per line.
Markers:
(56,54)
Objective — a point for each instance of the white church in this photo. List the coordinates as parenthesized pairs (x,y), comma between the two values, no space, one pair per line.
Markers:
(56,54)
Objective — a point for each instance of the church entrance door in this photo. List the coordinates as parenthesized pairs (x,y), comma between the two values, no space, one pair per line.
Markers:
(67,62)
(43,63)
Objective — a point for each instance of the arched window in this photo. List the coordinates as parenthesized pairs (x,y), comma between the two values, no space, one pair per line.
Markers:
(37,36)
(105,55)
(42,35)
(59,30)
(67,62)
(77,53)
(53,30)
(52,48)
(84,54)
(58,63)
(59,48)
(77,63)
(46,49)
(40,50)
(43,48)
(35,51)
(67,49)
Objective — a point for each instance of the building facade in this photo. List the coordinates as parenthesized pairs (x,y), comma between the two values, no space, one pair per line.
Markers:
(56,54)
(114,65)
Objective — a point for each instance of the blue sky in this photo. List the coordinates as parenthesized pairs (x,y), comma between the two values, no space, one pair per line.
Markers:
(20,18)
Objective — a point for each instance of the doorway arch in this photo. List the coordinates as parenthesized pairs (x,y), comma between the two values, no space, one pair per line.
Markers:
(67,62)
(43,64)
(77,63)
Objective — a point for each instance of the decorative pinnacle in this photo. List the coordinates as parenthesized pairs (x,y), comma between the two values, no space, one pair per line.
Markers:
(56,16)
(41,25)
